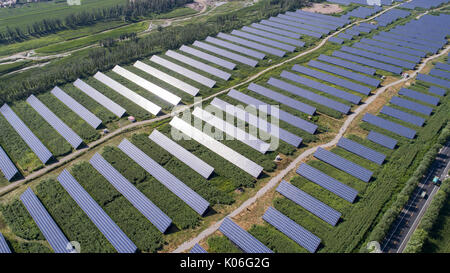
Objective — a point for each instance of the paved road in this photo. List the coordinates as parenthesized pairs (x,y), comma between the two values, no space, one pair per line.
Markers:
(408,220)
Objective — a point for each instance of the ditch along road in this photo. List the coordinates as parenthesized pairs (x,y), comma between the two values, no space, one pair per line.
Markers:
(411,215)
(137,125)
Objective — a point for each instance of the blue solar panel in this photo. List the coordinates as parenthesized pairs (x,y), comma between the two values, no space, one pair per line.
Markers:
(291,28)
(102,221)
(344,35)
(299,234)
(284,116)
(443,66)
(273,36)
(440,73)
(262,40)
(344,73)
(7,166)
(234,47)
(25,133)
(308,21)
(419,96)
(65,131)
(352,32)
(276,30)
(361,150)
(392,112)
(45,222)
(378,57)
(228,54)
(403,43)
(420,108)
(295,104)
(402,37)
(433,80)
(340,107)
(368,62)
(437,90)
(158,218)
(394,47)
(348,65)
(208,57)
(320,86)
(327,182)
(343,164)
(77,108)
(336,40)
(381,139)
(332,79)
(387,52)
(242,238)
(299,25)
(362,29)
(259,123)
(4,247)
(311,204)
(323,16)
(313,19)
(247,43)
(190,197)
(197,249)
(390,126)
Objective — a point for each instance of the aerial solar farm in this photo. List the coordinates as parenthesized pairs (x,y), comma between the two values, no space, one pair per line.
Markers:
(307,128)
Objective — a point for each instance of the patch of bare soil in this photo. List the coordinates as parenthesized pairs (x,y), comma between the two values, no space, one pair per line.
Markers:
(324,8)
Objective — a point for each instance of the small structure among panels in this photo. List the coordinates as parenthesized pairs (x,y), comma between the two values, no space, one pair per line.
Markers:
(77,108)
(389,125)
(100,98)
(311,204)
(215,146)
(381,139)
(190,197)
(101,220)
(242,238)
(68,134)
(327,182)
(45,222)
(361,150)
(4,248)
(7,167)
(157,217)
(25,133)
(299,234)
(198,249)
(198,165)
(343,164)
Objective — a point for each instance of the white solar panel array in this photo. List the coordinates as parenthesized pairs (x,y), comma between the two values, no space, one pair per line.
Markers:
(4,247)
(208,57)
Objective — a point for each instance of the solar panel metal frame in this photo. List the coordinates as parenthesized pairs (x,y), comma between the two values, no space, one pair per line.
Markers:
(343,164)
(96,214)
(225,53)
(198,249)
(389,125)
(208,57)
(349,65)
(284,116)
(327,182)
(191,160)
(237,48)
(262,40)
(26,134)
(437,90)
(309,203)
(4,247)
(101,99)
(259,123)
(231,130)
(181,85)
(419,96)
(150,87)
(321,87)
(242,238)
(276,30)
(199,65)
(128,94)
(215,146)
(46,224)
(294,42)
(77,108)
(368,62)
(411,105)
(379,57)
(361,150)
(332,79)
(382,140)
(433,80)
(183,71)
(291,29)
(7,167)
(340,107)
(172,183)
(250,44)
(297,233)
(401,115)
(344,73)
